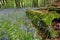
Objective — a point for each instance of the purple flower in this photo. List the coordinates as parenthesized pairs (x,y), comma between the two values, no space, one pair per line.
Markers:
(31,30)
(24,28)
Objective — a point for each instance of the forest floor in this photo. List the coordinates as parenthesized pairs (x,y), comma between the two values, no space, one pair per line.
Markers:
(15,25)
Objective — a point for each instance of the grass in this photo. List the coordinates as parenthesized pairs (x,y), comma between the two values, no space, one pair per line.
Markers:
(16,26)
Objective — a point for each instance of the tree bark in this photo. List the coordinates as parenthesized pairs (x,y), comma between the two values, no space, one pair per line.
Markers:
(17,2)
(35,3)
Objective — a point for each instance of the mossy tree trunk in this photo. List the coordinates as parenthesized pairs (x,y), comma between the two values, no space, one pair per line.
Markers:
(46,18)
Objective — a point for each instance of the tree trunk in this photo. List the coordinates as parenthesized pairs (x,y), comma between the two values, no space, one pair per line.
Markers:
(17,2)
(35,3)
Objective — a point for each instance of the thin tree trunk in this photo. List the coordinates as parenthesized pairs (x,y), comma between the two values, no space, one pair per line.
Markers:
(3,3)
(35,3)
(0,3)
(17,2)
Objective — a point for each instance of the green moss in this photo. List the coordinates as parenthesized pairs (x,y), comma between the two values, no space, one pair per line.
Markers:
(47,18)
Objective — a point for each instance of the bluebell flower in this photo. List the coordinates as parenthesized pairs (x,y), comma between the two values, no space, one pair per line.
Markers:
(31,30)
(24,28)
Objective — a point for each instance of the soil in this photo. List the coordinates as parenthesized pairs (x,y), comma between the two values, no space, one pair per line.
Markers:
(56,4)
(56,26)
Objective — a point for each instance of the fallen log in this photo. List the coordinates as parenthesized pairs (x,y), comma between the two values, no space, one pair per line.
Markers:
(42,20)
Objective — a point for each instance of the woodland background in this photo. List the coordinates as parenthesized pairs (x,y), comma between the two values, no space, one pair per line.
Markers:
(25,3)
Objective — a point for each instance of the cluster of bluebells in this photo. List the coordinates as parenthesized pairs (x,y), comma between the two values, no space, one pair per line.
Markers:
(29,30)
(13,23)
